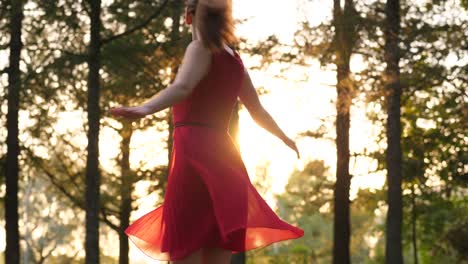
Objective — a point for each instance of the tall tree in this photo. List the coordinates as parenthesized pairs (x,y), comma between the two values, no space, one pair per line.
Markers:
(393,248)
(142,53)
(12,250)
(141,84)
(239,258)
(344,23)
(126,187)
(178,43)
(94,117)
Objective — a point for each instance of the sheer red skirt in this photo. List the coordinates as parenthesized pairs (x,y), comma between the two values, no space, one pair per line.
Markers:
(209,202)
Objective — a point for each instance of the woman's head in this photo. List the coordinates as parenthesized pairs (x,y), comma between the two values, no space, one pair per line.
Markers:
(213,21)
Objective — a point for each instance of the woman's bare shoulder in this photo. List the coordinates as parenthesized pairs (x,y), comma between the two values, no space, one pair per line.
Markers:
(198,47)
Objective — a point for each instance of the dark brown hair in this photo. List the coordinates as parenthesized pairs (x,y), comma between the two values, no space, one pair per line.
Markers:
(215,24)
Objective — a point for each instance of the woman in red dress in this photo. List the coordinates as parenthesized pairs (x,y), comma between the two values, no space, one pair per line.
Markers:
(210,209)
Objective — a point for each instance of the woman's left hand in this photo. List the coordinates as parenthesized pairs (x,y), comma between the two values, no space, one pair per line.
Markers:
(291,144)
(132,113)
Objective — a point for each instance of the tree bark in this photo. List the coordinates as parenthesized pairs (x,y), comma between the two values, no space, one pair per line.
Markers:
(12,250)
(94,116)
(413,225)
(341,235)
(393,248)
(344,41)
(126,188)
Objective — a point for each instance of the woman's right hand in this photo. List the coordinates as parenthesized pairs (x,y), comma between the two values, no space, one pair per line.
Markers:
(131,113)
(290,143)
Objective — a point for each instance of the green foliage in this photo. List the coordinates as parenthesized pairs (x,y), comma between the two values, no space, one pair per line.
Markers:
(365,224)
(306,193)
(464,4)
(307,203)
(441,227)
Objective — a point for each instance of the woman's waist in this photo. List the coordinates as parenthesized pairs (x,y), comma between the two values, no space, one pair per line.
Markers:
(203,124)
(199,117)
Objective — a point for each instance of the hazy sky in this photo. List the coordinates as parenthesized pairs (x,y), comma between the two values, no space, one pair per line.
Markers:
(297,106)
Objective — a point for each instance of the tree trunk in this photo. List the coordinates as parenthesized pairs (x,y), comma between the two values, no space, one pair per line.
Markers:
(27,231)
(413,225)
(12,250)
(393,248)
(344,41)
(239,258)
(341,235)
(92,161)
(126,189)
(177,8)
(234,124)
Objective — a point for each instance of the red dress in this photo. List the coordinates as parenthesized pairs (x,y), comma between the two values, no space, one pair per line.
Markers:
(209,199)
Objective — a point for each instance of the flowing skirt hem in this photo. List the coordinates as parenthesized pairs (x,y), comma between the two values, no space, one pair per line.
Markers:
(155,253)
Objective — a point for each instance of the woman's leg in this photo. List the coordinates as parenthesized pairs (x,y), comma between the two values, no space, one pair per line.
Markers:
(216,256)
(194,258)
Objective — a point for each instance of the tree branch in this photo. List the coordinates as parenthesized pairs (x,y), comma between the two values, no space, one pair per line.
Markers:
(137,27)
(4,46)
(107,221)
(4,70)
(49,253)
(76,201)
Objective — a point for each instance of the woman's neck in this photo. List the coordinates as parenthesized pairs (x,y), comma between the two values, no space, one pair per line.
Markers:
(194,33)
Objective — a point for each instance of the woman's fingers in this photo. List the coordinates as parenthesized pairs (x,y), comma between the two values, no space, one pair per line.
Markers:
(127,112)
(116,111)
(121,111)
(297,151)
(290,143)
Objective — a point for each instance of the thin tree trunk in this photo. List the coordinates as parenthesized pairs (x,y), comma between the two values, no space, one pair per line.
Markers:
(413,225)
(234,124)
(94,115)
(239,258)
(344,42)
(393,252)
(126,189)
(27,231)
(177,8)
(341,235)
(12,250)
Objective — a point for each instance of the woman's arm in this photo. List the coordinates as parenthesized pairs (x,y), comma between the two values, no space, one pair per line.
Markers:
(249,98)
(195,65)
